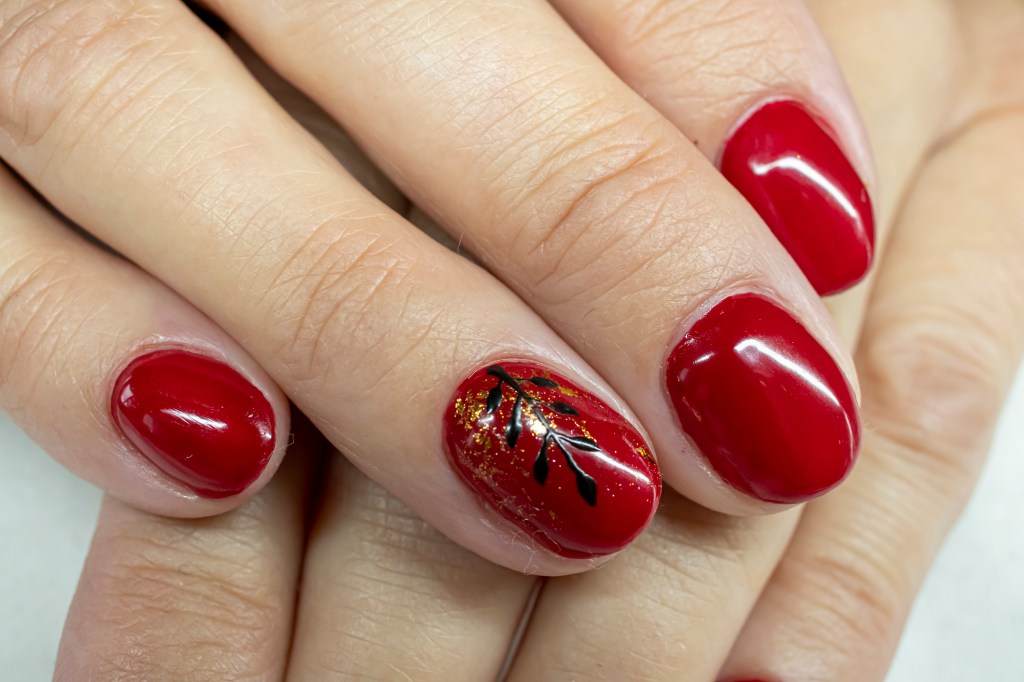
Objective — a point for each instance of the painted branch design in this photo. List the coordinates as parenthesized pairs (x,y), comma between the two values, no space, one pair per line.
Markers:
(585,484)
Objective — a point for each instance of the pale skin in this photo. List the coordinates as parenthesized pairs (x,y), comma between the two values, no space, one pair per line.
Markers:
(700,595)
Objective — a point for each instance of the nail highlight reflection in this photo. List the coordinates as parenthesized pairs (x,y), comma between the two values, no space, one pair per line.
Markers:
(766,405)
(786,163)
(197,419)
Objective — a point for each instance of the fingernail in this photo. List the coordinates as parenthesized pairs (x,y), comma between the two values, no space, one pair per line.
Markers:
(762,400)
(552,458)
(787,164)
(195,418)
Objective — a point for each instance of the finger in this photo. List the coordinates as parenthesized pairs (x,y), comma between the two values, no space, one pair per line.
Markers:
(59,288)
(904,113)
(594,208)
(210,599)
(755,86)
(669,608)
(121,380)
(385,338)
(944,333)
(383,594)
(320,125)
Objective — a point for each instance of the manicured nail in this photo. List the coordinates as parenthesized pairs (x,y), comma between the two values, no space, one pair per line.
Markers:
(784,160)
(198,420)
(552,458)
(766,405)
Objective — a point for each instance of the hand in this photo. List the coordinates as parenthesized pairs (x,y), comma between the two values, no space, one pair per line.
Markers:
(382,592)
(261,269)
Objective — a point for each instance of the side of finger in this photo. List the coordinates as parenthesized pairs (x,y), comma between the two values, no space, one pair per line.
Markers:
(944,334)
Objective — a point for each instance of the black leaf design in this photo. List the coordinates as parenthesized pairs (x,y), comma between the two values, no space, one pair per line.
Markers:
(563,408)
(541,466)
(587,487)
(583,443)
(494,399)
(515,426)
(585,484)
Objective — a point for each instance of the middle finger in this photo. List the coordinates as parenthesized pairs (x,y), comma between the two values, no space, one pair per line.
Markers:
(497,119)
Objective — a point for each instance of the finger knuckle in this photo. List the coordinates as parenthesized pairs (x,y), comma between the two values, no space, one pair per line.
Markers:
(35,291)
(593,197)
(345,289)
(752,43)
(181,611)
(855,600)
(934,380)
(56,56)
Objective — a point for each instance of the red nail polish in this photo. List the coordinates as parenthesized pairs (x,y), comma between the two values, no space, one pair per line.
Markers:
(198,420)
(552,458)
(764,402)
(786,163)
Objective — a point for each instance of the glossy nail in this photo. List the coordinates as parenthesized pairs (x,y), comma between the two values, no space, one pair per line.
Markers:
(197,419)
(787,164)
(552,458)
(766,405)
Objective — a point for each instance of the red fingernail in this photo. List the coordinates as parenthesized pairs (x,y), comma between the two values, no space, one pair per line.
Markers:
(788,166)
(552,458)
(198,420)
(764,402)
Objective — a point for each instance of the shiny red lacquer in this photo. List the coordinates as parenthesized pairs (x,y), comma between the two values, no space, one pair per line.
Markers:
(552,458)
(786,163)
(197,419)
(766,405)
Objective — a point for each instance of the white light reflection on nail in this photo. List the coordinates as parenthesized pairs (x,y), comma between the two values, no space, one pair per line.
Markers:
(793,163)
(752,346)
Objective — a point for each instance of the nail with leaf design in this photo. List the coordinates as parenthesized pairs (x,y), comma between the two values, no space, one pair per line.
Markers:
(552,458)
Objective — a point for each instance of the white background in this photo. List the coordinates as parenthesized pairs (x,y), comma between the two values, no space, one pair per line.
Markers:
(968,624)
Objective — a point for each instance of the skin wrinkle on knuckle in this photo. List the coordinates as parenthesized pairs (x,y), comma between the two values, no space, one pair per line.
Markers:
(34,291)
(386,25)
(208,622)
(398,542)
(346,285)
(752,46)
(591,645)
(47,45)
(842,602)
(567,230)
(928,389)
(378,604)
(669,21)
